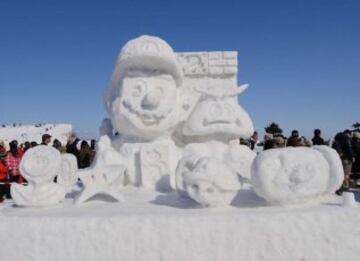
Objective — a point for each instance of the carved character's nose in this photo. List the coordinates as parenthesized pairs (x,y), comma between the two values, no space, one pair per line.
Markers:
(150,101)
(217,110)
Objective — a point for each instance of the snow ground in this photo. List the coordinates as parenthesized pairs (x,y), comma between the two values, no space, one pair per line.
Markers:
(33,133)
(153,226)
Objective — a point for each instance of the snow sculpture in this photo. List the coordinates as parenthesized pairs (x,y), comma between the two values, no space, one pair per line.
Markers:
(67,176)
(218,116)
(296,175)
(336,169)
(39,166)
(231,167)
(143,102)
(210,182)
(106,174)
(214,119)
(159,101)
(142,98)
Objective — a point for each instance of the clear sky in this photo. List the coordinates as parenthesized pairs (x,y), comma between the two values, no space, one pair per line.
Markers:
(301,58)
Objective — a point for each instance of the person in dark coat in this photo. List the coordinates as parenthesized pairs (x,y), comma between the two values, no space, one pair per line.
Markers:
(356,149)
(71,147)
(343,145)
(27,145)
(254,140)
(86,155)
(317,139)
(57,145)
(294,140)
(269,142)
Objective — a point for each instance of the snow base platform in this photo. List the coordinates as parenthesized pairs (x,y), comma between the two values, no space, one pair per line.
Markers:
(151,226)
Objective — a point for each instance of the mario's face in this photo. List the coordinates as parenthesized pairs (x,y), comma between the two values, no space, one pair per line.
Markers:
(146,105)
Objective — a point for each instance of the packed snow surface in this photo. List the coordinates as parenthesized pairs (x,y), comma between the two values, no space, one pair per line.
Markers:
(34,132)
(153,226)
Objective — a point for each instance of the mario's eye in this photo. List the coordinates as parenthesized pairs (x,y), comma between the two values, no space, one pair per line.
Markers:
(138,89)
(159,91)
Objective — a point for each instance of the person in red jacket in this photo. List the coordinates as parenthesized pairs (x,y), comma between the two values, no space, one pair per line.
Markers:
(4,181)
(12,159)
(3,169)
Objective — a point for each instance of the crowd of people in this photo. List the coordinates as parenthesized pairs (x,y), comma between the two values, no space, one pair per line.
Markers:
(346,143)
(10,157)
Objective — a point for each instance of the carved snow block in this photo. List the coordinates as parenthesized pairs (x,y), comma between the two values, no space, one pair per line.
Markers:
(155,169)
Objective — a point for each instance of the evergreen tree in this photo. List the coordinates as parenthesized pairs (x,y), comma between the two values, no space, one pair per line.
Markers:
(356,125)
(273,129)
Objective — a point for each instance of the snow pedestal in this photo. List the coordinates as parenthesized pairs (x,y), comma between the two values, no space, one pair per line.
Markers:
(159,227)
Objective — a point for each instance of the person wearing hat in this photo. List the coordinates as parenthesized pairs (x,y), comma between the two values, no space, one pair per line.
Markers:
(317,139)
(294,140)
(12,160)
(46,139)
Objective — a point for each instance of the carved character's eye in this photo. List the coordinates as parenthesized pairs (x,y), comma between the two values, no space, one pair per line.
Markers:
(138,89)
(210,190)
(136,92)
(158,91)
(195,187)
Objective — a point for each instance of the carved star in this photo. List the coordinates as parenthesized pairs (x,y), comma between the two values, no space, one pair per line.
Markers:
(106,174)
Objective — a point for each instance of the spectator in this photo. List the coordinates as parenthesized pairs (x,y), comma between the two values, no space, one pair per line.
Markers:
(71,146)
(27,145)
(317,139)
(242,141)
(268,141)
(12,160)
(86,155)
(356,149)
(2,147)
(294,140)
(4,180)
(57,145)
(343,145)
(33,144)
(279,142)
(93,145)
(3,168)
(254,140)
(45,139)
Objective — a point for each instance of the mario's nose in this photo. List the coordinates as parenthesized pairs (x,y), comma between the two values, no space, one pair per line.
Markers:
(151,101)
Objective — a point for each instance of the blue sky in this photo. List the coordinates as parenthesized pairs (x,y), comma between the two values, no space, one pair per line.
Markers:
(301,58)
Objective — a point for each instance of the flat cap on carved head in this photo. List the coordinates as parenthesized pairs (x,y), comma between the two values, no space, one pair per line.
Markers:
(147,53)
